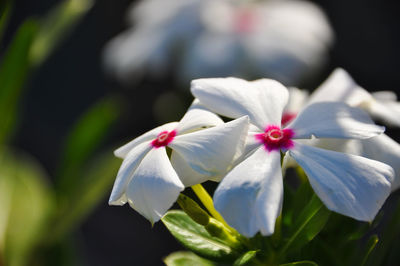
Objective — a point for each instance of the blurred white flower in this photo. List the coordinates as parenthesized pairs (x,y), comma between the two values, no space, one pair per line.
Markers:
(382,105)
(250,195)
(148,181)
(283,39)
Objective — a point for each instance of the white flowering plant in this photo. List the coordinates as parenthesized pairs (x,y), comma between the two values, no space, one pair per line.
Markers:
(325,212)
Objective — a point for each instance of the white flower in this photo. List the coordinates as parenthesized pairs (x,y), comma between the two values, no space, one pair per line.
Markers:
(286,40)
(148,181)
(382,105)
(250,195)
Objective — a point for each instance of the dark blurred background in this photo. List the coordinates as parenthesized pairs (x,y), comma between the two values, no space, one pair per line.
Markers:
(72,79)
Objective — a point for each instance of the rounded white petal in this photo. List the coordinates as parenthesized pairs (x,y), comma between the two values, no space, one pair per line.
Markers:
(350,185)
(334,120)
(386,96)
(211,151)
(155,186)
(126,171)
(197,117)
(250,196)
(340,87)
(187,175)
(297,100)
(262,100)
(387,111)
(384,149)
(122,151)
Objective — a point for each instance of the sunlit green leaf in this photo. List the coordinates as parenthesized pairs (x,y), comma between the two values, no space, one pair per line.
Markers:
(14,69)
(193,209)
(246,258)
(307,225)
(85,137)
(24,207)
(56,26)
(185,258)
(194,237)
(373,240)
(88,192)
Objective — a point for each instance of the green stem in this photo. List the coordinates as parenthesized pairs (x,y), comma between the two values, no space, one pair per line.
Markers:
(206,199)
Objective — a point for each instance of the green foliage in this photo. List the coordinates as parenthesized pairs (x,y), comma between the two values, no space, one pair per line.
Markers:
(5,11)
(246,258)
(300,263)
(197,239)
(184,258)
(26,202)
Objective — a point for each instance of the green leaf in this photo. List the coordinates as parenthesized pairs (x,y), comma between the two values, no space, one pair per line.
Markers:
(307,225)
(300,263)
(194,237)
(193,209)
(245,258)
(5,12)
(14,70)
(89,191)
(26,202)
(86,135)
(184,258)
(56,26)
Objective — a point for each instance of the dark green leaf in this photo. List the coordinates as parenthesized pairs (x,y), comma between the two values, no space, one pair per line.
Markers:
(185,258)
(87,134)
(193,210)
(56,26)
(245,258)
(14,69)
(194,237)
(307,225)
(5,12)
(300,263)
(369,247)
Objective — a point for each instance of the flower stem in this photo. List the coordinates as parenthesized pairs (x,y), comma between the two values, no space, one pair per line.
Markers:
(206,199)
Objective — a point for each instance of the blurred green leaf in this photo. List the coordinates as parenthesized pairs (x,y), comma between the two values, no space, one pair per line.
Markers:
(308,224)
(87,193)
(300,263)
(14,70)
(86,135)
(5,12)
(245,258)
(26,202)
(184,258)
(56,26)
(194,237)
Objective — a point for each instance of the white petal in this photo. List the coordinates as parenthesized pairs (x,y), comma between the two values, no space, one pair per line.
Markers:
(350,185)
(389,96)
(387,111)
(187,175)
(211,151)
(262,100)
(250,196)
(340,87)
(150,135)
(197,117)
(126,171)
(155,186)
(334,120)
(297,100)
(384,149)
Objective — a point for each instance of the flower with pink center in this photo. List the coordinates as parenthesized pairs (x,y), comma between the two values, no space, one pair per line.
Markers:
(250,195)
(151,182)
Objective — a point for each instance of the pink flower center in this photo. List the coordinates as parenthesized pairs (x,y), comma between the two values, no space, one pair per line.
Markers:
(163,139)
(276,138)
(287,117)
(245,20)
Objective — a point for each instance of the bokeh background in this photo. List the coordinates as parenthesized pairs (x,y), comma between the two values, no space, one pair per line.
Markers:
(73,78)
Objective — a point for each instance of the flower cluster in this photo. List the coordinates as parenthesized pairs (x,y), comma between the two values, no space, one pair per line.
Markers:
(273,127)
(285,40)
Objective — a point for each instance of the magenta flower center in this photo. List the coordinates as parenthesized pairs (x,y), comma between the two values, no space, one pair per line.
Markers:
(287,117)
(163,139)
(275,138)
